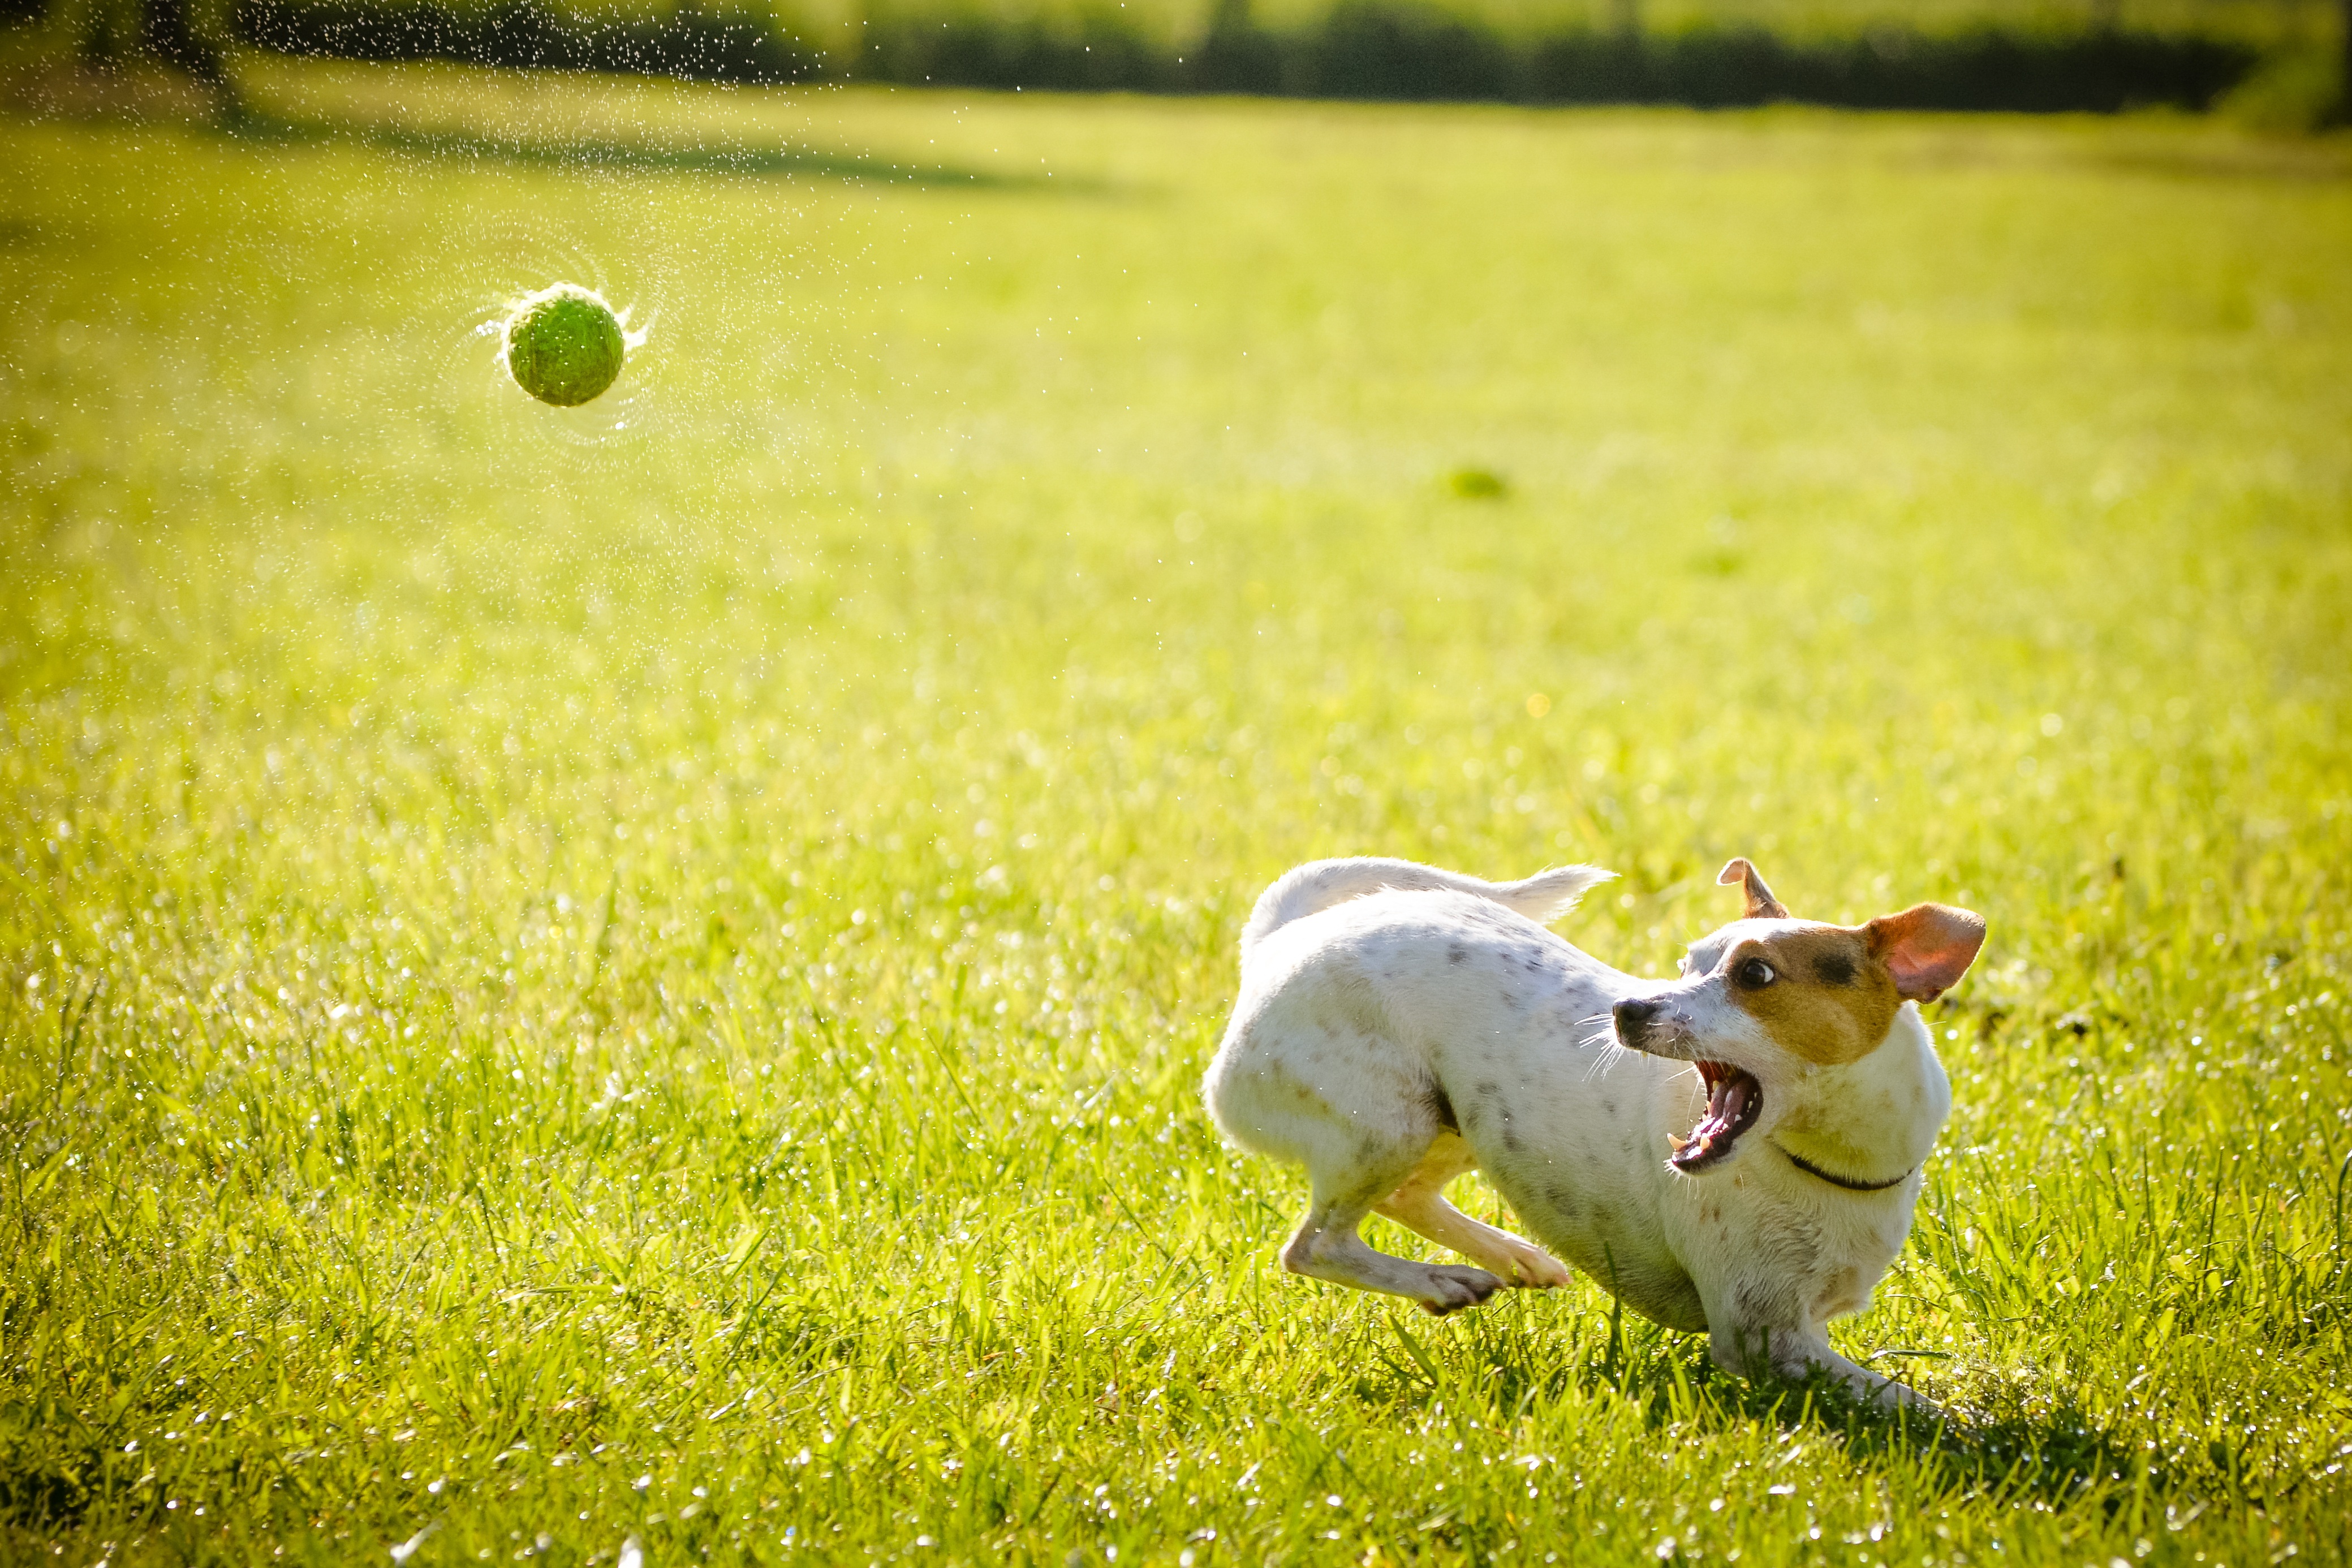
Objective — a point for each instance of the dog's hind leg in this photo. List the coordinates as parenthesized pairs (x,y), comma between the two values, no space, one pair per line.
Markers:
(1319,1082)
(1326,1245)
(1418,1205)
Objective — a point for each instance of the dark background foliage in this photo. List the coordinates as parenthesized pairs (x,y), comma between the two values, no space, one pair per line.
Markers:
(1361,49)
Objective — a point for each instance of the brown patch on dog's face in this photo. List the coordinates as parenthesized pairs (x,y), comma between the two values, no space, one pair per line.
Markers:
(1816,990)
(1829,993)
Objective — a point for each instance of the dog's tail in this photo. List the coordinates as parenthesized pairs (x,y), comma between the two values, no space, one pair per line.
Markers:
(1319,884)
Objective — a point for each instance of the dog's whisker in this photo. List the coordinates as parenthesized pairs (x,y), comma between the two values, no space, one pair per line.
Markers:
(1602,1057)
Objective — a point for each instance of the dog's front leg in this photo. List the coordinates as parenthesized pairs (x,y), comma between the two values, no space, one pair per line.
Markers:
(1799,1353)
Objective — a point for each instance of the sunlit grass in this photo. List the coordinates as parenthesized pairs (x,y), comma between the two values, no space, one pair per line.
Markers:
(567,983)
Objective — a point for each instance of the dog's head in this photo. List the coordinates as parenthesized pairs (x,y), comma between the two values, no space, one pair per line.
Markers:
(1772,1001)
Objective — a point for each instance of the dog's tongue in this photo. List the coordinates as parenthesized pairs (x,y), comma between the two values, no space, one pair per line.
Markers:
(1726,1105)
(1726,1099)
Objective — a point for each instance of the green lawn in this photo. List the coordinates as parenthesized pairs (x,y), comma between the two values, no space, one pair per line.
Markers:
(642,972)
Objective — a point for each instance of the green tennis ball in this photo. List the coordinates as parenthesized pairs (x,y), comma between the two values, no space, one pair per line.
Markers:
(564,345)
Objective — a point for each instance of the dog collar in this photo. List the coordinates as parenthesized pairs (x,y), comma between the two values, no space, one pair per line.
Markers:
(1813,1170)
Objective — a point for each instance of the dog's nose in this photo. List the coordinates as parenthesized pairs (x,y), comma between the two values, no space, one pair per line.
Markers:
(1635,1011)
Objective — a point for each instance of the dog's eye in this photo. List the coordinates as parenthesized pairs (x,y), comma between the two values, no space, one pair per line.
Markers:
(1755,973)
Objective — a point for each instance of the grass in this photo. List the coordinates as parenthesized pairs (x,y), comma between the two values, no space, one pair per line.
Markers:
(641,973)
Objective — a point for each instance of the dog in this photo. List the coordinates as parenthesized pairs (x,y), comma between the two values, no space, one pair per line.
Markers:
(1736,1153)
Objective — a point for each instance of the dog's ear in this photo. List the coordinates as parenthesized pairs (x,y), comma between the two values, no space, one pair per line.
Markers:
(1926,948)
(1761,904)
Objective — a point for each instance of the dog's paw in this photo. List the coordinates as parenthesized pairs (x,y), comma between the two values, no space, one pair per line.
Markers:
(1531,1267)
(1450,1289)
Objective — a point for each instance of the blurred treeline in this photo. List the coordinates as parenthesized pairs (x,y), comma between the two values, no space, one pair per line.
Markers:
(2285,58)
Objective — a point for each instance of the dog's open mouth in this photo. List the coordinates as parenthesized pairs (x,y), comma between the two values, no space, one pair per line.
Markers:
(1733,1100)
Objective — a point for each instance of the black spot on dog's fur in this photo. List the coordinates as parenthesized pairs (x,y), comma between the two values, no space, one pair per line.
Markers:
(1441,1108)
(1834,968)
(1456,954)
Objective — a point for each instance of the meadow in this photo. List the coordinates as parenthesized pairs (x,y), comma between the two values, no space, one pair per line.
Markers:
(639,975)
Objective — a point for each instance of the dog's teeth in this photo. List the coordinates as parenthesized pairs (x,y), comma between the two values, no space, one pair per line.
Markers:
(1680,1143)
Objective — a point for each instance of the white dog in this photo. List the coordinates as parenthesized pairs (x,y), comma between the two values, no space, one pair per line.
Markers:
(1740,1154)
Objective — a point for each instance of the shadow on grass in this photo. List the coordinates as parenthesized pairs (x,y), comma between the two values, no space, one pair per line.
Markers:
(158,97)
(2054,1454)
(599,153)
